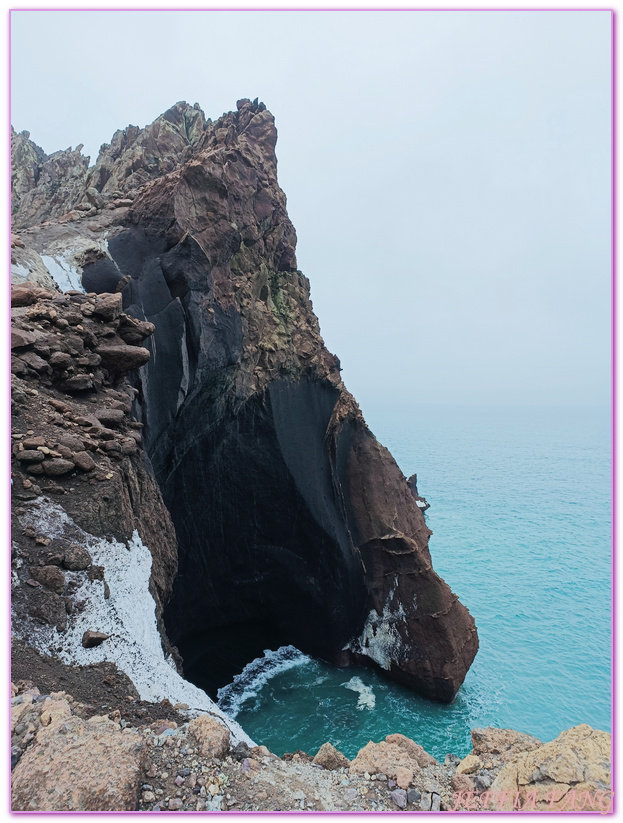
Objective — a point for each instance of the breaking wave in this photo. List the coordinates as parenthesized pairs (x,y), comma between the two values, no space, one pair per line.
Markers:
(255,675)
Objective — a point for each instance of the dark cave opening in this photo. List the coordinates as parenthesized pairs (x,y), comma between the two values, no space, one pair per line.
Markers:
(265,556)
(213,659)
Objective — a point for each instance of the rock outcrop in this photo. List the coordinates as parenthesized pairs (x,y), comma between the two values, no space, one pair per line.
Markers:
(397,756)
(571,773)
(176,408)
(51,775)
(135,156)
(76,403)
(294,525)
(93,553)
(42,186)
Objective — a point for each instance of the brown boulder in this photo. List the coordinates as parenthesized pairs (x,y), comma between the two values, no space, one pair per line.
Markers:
(21,337)
(83,461)
(557,775)
(329,757)
(61,360)
(107,306)
(70,441)
(91,639)
(75,765)
(76,558)
(25,294)
(122,358)
(396,751)
(110,417)
(49,576)
(212,737)
(33,442)
(32,359)
(30,456)
(57,466)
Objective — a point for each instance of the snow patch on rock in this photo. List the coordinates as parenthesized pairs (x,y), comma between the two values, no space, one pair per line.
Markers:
(128,616)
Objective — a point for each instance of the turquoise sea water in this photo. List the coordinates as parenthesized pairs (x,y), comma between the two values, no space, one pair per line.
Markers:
(520,514)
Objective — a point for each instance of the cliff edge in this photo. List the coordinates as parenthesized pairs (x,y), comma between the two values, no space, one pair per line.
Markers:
(293,524)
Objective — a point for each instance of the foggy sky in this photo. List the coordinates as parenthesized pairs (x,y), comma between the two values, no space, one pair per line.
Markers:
(448,173)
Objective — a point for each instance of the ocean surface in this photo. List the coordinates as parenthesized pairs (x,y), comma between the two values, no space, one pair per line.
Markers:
(520,514)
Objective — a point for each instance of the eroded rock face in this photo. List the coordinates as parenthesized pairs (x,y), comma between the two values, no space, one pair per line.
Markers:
(295,526)
(497,746)
(135,156)
(43,186)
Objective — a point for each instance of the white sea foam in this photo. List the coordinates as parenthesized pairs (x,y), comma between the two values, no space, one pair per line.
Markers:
(380,639)
(255,675)
(367,698)
(128,615)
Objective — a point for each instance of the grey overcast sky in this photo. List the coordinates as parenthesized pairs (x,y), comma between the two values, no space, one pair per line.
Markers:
(448,173)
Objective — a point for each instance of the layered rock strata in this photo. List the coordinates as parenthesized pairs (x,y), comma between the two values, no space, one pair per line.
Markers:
(294,525)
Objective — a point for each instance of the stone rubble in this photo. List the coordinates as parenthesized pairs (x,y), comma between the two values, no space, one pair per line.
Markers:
(165,766)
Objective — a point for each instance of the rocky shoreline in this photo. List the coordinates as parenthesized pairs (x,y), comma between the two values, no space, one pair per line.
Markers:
(192,765)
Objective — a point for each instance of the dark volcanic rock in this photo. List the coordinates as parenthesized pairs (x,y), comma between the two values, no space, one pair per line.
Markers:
(90,639)
(295,525)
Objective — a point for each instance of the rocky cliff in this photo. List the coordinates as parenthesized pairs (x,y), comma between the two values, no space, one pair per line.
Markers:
(293,524)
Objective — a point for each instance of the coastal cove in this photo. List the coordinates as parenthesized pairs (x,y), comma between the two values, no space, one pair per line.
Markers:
(193,485)
(520,514)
